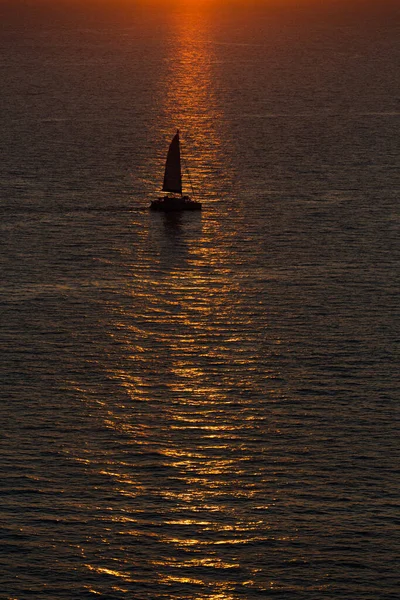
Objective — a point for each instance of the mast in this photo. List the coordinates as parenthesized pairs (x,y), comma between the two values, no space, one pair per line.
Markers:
(173,172)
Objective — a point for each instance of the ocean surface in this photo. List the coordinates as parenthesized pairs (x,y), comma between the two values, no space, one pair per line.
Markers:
(200,406)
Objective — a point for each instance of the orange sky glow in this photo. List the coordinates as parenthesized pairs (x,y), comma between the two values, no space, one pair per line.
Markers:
(31,10)
(316,4)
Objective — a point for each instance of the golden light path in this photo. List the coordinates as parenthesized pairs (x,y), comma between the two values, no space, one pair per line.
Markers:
(185,418)
(189,100)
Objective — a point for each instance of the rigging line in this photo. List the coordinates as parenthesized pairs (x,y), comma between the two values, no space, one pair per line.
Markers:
(188,173)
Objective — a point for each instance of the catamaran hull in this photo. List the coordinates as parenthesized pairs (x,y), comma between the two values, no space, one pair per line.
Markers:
(170,204)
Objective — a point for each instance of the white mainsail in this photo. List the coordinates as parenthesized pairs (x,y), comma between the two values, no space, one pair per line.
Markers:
(173,173)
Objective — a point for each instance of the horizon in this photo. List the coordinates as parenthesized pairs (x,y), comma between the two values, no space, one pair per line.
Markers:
(297,7)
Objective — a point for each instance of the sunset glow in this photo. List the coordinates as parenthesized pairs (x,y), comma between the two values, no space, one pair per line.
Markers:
(199,389)
(36,12)
(227,4)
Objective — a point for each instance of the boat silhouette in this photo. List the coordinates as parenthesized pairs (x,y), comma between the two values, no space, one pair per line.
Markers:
(174,200)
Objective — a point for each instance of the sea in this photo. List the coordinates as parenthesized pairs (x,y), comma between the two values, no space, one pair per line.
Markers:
(199,406)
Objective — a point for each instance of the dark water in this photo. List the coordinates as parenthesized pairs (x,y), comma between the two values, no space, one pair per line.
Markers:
(202,406)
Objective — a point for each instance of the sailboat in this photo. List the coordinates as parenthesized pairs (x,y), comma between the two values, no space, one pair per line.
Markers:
(174,200)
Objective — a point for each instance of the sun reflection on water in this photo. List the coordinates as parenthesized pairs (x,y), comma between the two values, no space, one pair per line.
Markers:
(187,474)
(189,100)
